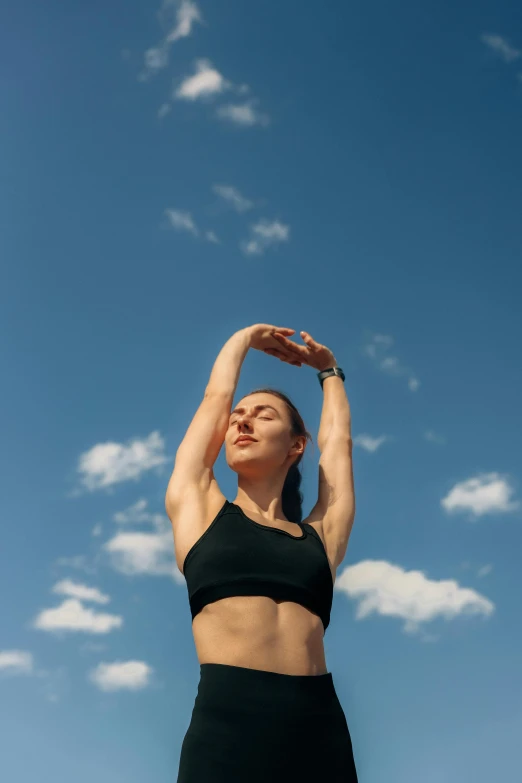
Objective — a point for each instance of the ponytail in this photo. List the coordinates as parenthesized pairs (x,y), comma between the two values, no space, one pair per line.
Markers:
(292,497)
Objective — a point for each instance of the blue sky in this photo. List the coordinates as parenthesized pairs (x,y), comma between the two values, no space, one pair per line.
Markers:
(171,175)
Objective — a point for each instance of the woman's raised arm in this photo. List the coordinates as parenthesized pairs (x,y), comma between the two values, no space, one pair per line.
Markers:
(200,447)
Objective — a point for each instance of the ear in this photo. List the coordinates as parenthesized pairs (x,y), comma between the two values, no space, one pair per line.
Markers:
(299,445)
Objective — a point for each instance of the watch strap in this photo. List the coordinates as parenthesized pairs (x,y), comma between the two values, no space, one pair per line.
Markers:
(328,372)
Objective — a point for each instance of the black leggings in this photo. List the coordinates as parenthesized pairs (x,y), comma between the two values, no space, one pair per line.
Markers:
(253,726)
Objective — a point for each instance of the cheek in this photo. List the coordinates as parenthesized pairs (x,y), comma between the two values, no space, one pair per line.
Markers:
(275,441)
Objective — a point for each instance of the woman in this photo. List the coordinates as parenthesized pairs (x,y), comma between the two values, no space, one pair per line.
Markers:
(260,580)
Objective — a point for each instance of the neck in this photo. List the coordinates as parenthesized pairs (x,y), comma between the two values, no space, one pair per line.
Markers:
(262,496)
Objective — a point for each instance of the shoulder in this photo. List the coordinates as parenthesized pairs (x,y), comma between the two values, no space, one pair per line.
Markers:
(316,525)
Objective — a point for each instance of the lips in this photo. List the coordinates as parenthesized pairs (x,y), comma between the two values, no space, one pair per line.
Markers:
(245,439)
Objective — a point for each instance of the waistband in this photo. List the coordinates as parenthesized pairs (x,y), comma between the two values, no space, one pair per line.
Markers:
(256,688)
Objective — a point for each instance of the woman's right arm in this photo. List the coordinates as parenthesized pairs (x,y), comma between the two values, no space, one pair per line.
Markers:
(199,449)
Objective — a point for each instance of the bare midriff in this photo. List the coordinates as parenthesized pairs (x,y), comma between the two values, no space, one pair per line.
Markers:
(258,632)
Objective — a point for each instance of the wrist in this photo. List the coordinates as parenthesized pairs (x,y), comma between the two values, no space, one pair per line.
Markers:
(327,365)
(246,335)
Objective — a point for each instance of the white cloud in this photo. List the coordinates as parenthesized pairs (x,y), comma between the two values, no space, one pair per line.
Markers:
(264,234)
(180,15)
(181,221)
(233,197)
(141,553)
(485,570)
(368,443)
(207,81)
(134,513)
(71,615)
(487,493)
(121,675)
(376,347)
(111,463)
(380,587)
(243,114)
(144,553)
(501,47)
(14,662)
(187,13)
(97,530)
(137,513)
(82,592)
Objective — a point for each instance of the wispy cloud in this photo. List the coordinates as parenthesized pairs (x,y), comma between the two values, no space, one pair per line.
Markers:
(187,13)
(135,513)
(368,443)
(180,16)
(121,675)
(163,110)
(211,236)
(501,47)
(76,561)
(243,114)
(71,616)
(181,221)
(14,662)
(434,438)
(138,513)
(206,82)
(81,591)
(110,463)
(21,662)
(233,197)
(376,347)
(264,234)
(381,587)
(487,493)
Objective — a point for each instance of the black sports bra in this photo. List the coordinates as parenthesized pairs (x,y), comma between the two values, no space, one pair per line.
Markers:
(237,556)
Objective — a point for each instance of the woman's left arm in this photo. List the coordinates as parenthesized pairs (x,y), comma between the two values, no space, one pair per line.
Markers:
(335,505)
(336,494)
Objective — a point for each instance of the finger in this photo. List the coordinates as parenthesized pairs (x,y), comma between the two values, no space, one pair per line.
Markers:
(283,356)
(300,350)
(308,339)
(284,340)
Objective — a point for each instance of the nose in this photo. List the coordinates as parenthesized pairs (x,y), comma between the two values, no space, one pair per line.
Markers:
(243,422)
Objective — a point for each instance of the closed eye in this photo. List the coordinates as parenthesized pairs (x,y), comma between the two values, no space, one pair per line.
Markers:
(267,418)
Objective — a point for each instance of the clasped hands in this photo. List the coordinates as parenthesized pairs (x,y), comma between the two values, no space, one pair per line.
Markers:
(274,340)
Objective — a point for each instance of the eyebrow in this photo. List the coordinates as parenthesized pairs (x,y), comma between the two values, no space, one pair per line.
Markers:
(256,408)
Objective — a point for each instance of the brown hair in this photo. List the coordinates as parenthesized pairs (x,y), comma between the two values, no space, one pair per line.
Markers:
(292,497)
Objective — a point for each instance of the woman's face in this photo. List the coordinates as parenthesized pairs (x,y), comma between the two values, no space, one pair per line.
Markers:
(265,418)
